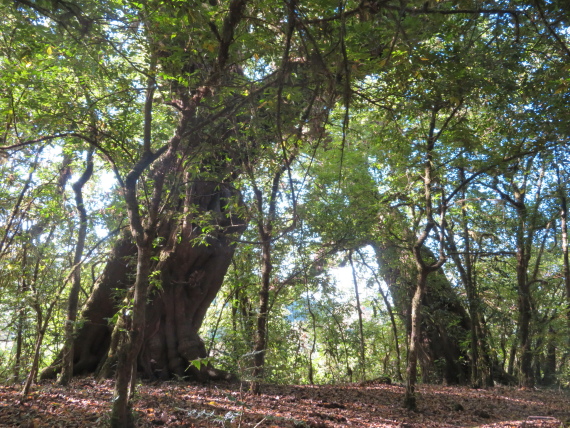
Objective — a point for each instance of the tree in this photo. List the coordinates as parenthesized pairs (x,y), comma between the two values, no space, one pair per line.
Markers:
(405,108)
(73,299)
(189,177)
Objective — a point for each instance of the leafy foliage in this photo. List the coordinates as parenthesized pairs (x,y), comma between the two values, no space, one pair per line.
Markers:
(411,134)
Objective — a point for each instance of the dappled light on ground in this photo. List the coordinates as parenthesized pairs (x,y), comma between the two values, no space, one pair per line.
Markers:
(86,403)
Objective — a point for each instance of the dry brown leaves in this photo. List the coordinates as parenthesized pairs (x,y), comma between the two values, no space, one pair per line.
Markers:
(86,403)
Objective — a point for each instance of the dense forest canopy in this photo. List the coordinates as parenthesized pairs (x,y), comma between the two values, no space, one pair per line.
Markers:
(180,182)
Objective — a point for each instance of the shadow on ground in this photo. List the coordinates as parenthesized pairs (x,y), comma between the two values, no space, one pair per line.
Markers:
(85,403)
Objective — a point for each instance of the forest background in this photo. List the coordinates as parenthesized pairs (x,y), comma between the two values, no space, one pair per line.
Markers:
(181,181)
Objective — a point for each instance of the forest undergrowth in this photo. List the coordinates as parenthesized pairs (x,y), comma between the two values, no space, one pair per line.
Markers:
(85,403)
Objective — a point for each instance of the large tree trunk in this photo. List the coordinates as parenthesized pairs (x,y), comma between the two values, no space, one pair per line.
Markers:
(190,279)
(190,275)
(448,323)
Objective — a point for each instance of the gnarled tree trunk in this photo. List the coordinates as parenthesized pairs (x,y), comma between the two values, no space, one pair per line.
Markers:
(188,278)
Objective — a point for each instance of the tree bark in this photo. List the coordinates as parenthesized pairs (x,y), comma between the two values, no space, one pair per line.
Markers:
(524,235)
(189,280)
(481,362)
(132,341)
(424,269)
(442,334)
(360,326)
(565,256)
(524,307)
(415,332)
(471,291)
(35,363)
(261,331)
(390,314)
(265,223)
(73,299)
(549,373)
(43,317)
(22,288)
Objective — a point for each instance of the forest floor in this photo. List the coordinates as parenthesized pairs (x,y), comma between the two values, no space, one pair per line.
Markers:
(85,403)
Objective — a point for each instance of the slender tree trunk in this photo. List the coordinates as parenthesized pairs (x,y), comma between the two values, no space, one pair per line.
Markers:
(549,377)
(19,342)
(143,233)
(42,319)
(265,231)
(132,340)
(415,334)
(22,287)
(35,363)
(390,314)
(394,333)
(134,318)
(525,315)
(261,331)
(424,269)
(73,299)
(360,326)
(109,364)
(564,226)
(471,297)
(513,354)
(524,299)
(465,267)
(524,236)
(490,361)
(314,328)
(565,257)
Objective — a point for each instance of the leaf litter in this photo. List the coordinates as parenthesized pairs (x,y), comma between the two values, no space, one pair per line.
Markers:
(86,403)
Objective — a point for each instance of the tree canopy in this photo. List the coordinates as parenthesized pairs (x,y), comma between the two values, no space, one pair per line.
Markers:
(184,183)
